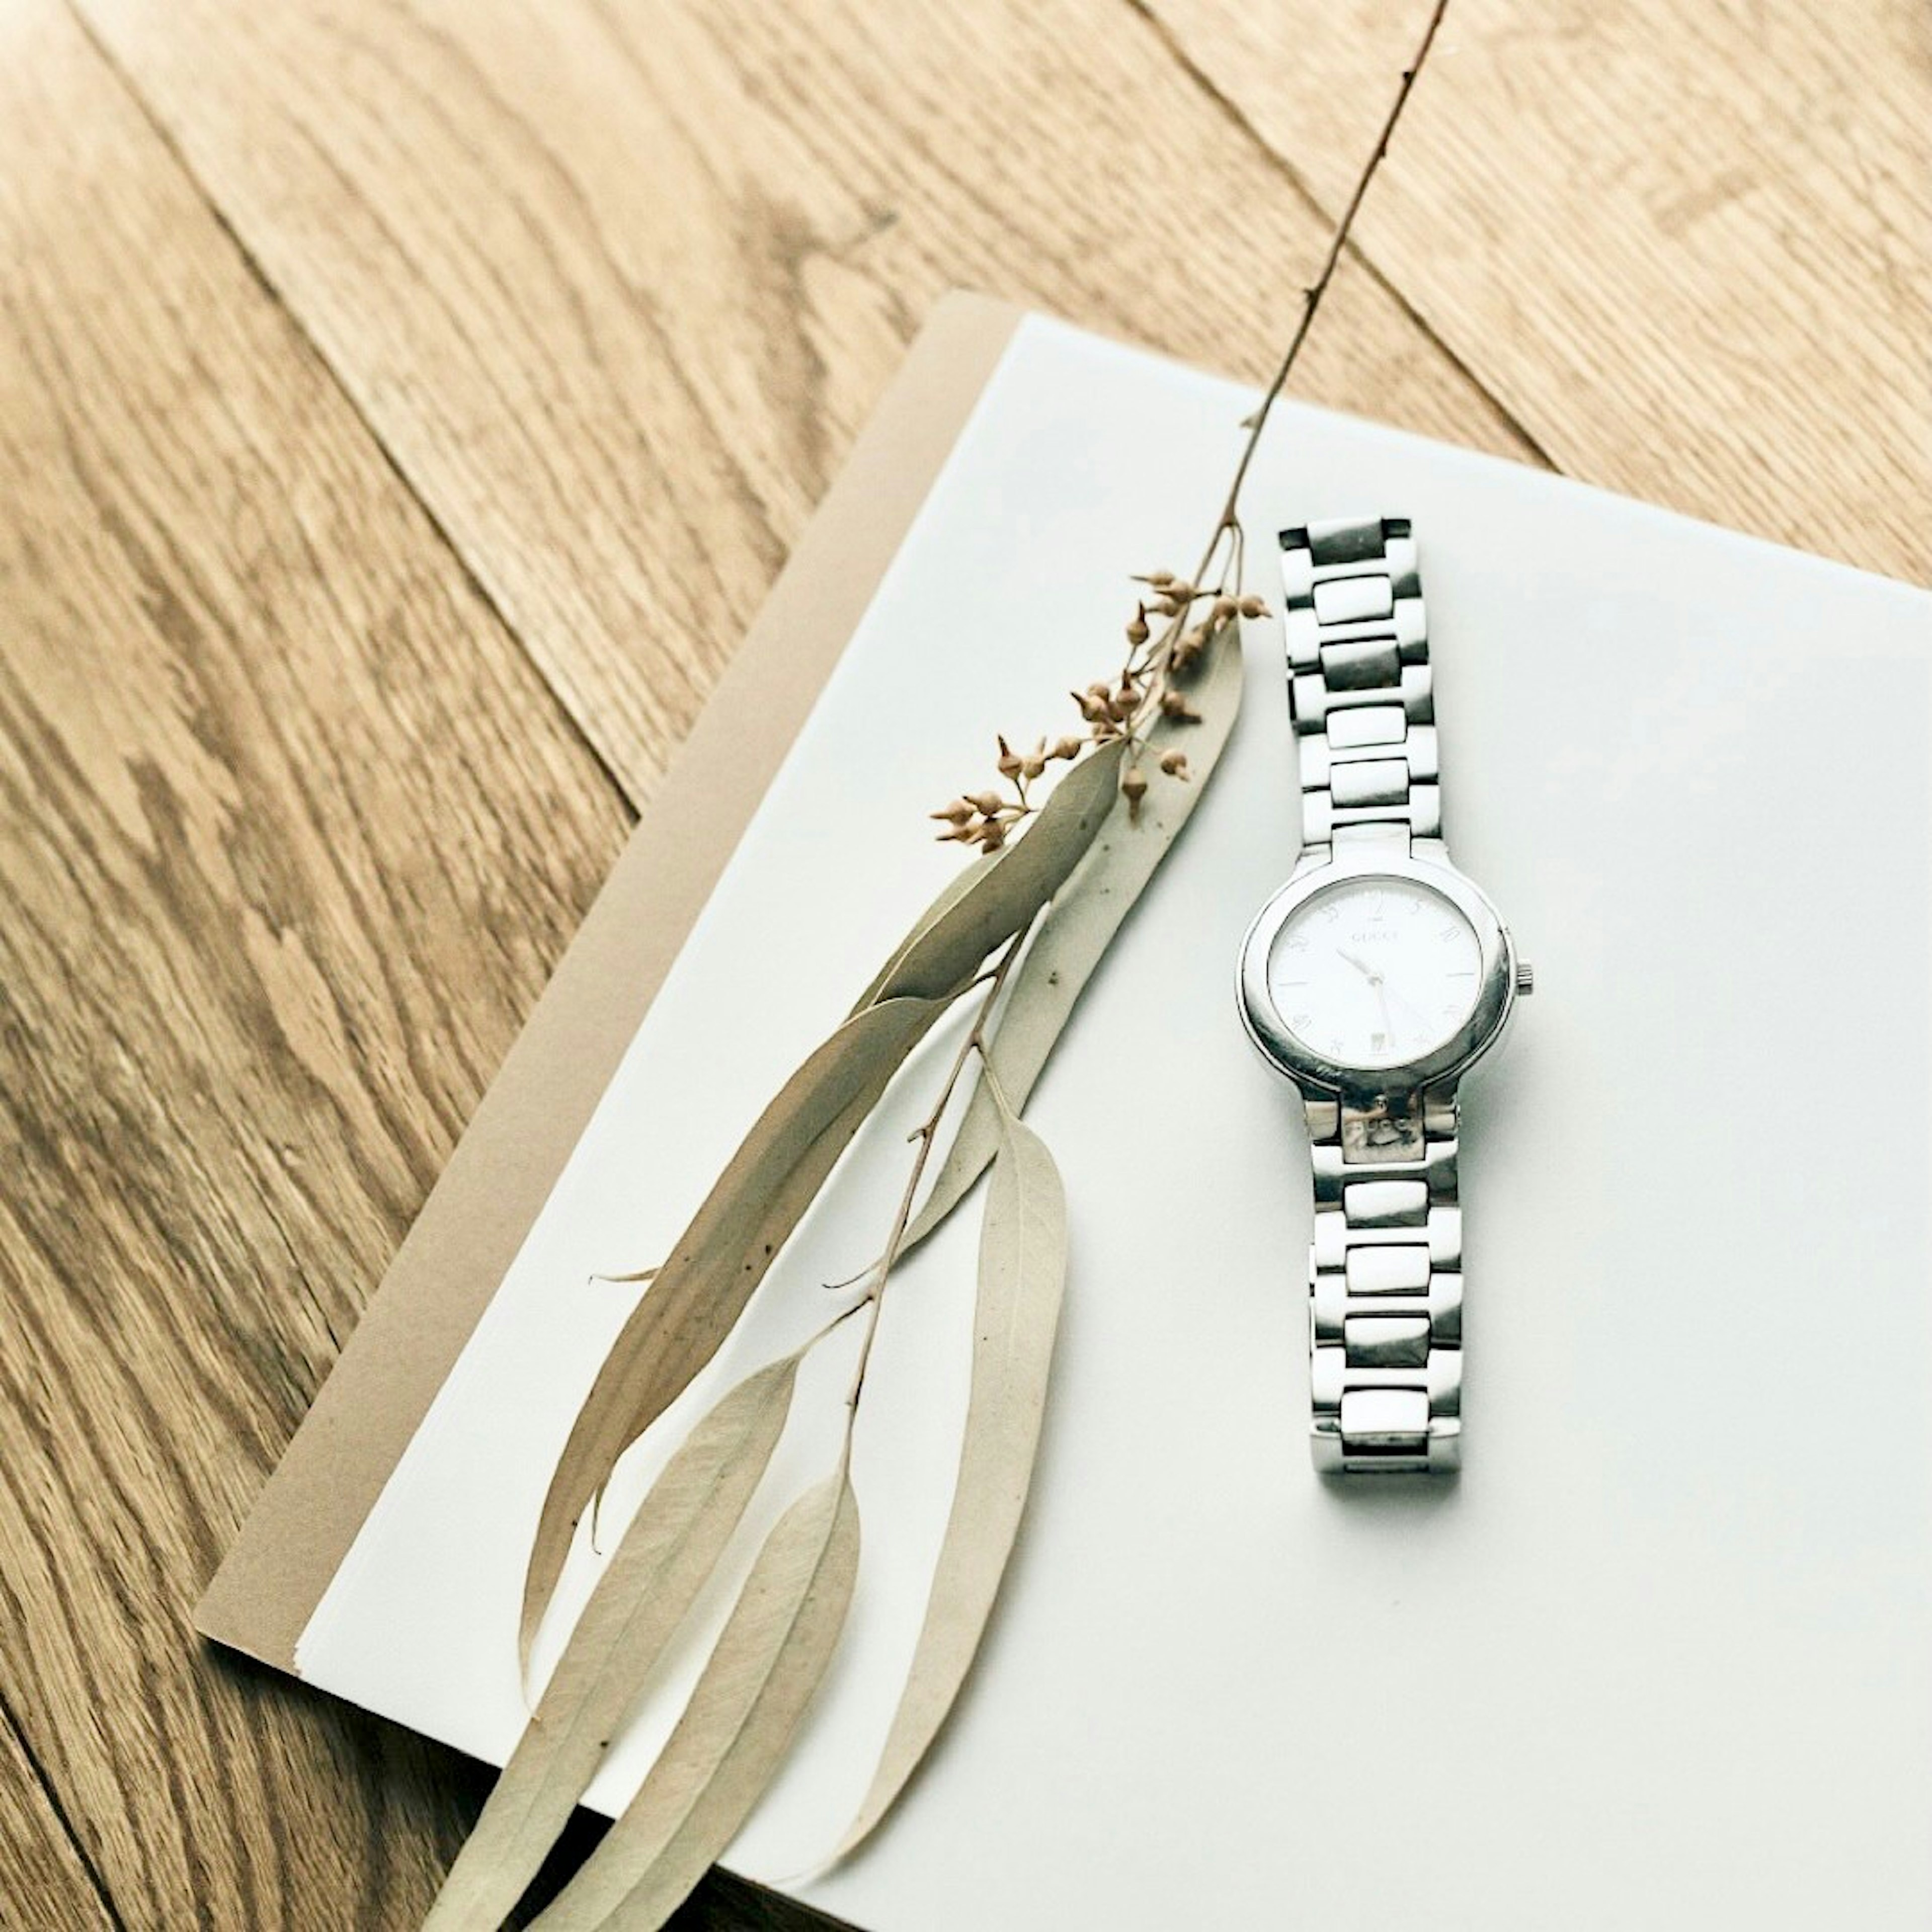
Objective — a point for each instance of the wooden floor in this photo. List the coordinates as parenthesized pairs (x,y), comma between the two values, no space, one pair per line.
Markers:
(403,403)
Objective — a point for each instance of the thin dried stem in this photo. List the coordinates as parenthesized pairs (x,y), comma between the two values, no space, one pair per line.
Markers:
(1311,300)
(975,1041)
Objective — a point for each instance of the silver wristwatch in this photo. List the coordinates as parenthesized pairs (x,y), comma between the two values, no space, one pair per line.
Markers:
(1375,980)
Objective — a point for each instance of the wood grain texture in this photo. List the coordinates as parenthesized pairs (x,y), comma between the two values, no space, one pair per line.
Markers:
(617,283)
(1686,245)
(44,1878)
(290,832)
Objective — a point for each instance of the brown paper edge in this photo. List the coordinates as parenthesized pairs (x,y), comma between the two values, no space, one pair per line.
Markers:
(314,1503)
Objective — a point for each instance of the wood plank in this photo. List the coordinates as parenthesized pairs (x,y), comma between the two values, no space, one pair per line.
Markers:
(290,832)
(616,284)
(1689,246)
(47,1881)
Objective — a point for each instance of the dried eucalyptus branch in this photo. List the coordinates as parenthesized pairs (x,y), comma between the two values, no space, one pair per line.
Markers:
(1059,866)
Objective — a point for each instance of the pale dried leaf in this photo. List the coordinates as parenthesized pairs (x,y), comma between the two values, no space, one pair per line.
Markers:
(666,1555)
(1022,1274)
(947,951)
(965,879)
(731,1243)
(762,1674)
(1077,931)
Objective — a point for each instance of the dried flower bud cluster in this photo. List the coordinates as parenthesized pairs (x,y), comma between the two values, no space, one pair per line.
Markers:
(1159,657)
(986,818)
(1110,708)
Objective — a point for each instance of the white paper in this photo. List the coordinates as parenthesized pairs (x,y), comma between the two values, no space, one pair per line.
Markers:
(1659,1657)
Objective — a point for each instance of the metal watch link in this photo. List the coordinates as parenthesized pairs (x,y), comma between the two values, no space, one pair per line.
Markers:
(1375,980)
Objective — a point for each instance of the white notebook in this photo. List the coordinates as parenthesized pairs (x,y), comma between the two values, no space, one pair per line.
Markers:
(1660,1656)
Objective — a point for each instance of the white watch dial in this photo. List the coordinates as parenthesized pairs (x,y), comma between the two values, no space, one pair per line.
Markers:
(1375,972)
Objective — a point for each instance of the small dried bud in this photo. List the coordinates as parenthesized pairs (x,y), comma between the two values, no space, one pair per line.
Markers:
(1180,590)
(1167,607)
(1133,789)
(987,801)
(1137,631)
(1174,764)
(957,813)
(1162,577)
(1068,747)
(1093,709)
(1252,606)
(992,836)
(1174,704)
(1010,764)
(1225,607)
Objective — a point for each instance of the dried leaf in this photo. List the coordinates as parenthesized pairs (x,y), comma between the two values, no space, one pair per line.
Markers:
(965,879)
(953,943)
(664,1559)
(1022,1273)
(763,1672)
(701,1290)
(1081,926)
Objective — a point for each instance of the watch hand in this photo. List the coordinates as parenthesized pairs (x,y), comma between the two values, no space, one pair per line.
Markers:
(1360,965)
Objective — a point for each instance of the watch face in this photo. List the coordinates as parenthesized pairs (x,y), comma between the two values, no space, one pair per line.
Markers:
(1375,972)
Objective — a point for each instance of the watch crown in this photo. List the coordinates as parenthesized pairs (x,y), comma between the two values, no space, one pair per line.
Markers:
(1526,977)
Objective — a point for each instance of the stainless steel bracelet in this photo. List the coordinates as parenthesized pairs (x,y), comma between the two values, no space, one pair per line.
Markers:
(1385,1288)
(1385,1281)
(1360,686)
